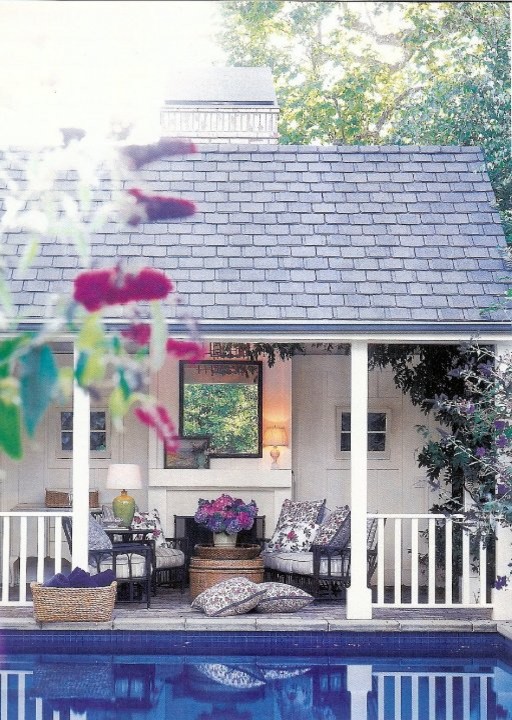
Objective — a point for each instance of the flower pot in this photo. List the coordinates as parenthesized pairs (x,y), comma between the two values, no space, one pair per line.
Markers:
(224,539)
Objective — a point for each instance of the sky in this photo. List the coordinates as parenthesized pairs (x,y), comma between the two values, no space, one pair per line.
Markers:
(87,63)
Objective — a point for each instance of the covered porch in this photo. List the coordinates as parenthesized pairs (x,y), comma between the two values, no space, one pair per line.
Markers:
(415,577)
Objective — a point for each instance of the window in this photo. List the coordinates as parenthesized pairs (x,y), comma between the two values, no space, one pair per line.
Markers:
(222,400)
(377,432)
(99,435)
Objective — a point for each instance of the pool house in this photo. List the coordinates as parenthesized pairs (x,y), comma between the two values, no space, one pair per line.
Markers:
(333,249)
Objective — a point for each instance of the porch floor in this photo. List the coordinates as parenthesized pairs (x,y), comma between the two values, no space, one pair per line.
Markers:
(170,611)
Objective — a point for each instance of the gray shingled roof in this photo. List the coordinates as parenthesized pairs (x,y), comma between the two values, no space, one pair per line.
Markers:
(311,234)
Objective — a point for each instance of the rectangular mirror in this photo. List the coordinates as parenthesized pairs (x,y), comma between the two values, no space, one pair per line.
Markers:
(223,400)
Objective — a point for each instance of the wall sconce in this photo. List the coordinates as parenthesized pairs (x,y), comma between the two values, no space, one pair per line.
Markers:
(275,436)
(119,477)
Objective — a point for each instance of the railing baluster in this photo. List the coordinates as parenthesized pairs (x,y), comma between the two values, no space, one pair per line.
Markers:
(58,543)
(40,549)
(482,569)
(431,561)
(448,561)
(466,568)
(6,558)
(380,560)
(398,560)
(23,558)
(414,561)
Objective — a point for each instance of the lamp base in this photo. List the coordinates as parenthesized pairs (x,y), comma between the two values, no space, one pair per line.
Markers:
(123,507)
(274,454)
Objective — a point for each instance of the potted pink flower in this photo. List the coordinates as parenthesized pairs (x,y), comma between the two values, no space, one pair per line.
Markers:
(225,517)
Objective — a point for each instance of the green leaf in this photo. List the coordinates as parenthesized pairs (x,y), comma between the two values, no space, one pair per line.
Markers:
(10,430)
(8,348)
(90,368)
(92,334)
(118,403)
(39,377)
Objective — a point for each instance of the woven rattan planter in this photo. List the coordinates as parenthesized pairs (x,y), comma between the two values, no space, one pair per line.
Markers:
(204,573)
(243,552)
(73,604)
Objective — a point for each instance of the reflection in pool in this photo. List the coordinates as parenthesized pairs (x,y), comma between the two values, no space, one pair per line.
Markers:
(115,687)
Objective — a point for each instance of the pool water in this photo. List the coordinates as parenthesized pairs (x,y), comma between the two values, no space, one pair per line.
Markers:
(350,676)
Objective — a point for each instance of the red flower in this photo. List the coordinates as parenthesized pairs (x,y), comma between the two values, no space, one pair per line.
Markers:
(186,349)
(139,333)
(140,155)
(158,418)
(95,289)
(151,208)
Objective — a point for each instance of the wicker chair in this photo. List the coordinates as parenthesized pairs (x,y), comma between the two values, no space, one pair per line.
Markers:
(169,553)
(131,563)
(324,571)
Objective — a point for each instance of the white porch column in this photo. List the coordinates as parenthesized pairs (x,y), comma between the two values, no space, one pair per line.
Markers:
(80,474)
(502,599)
(359,598)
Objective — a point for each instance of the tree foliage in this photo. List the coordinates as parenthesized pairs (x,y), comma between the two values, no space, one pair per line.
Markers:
(384,72)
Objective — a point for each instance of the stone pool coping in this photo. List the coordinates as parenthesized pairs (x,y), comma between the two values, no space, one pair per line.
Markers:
(257,623)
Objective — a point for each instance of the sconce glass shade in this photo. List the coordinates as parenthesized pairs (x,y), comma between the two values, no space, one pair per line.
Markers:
(119,477)
(275,436)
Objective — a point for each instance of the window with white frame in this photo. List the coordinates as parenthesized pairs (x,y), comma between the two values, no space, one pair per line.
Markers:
(99,437)
(378,432)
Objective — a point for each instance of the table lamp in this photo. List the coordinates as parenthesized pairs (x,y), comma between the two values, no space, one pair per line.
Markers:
(120,477)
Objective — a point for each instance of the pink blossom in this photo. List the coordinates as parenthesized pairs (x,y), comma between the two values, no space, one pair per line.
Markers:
(95,289)
(158,419)
(186,349)
(139,333)
(151,208)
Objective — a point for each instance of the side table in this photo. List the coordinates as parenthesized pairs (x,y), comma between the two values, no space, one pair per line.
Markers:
(207,571)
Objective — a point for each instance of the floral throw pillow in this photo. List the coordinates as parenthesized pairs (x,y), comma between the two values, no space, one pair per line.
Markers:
(293,537)
(280,598)
(300,511)
(333,530)
(147,521)
(235,596)
(98,538)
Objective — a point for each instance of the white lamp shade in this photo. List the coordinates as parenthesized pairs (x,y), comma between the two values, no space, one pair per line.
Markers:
(124,476)
(275,436)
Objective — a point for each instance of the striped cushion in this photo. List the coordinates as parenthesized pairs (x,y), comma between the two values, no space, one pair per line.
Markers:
(137,563)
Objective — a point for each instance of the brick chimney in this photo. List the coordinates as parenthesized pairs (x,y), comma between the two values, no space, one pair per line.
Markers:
(222,105)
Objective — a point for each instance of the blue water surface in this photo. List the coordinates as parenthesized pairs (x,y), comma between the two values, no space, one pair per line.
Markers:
(255,676)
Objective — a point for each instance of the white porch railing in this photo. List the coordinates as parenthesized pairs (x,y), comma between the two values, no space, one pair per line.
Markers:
(428,561)
(30,548)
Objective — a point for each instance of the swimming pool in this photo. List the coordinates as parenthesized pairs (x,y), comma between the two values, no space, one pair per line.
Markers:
(255,676)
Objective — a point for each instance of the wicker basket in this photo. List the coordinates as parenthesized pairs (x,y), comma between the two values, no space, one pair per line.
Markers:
(205,573)
(57,498)
(64,499)
(73,604)
(212,552)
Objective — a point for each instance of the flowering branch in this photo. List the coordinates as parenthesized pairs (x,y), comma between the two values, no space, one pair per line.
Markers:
(117,363)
